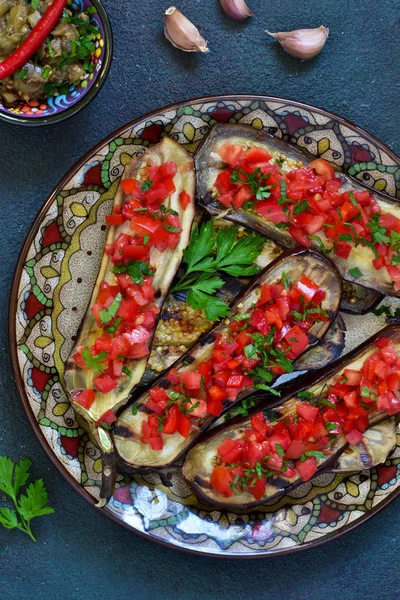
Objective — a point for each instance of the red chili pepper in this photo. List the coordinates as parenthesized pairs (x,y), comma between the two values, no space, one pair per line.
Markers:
(35,39)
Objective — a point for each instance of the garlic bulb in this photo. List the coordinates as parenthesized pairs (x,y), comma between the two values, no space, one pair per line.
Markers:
(237,9)
(302,43)
(182,33)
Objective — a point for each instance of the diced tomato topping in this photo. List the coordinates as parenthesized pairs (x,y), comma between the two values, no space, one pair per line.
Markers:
(221,480)
(84,398)
(105,384)
(307,468)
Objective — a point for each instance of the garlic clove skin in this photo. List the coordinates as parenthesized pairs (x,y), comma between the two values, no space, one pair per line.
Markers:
(237,9)
(182,33)
(302,43)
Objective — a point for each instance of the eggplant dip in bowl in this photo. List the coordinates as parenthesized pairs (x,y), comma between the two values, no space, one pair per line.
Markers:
(54,57)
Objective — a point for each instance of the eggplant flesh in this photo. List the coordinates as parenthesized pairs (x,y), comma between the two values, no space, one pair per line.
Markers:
(166,264)
(373,450)
(209,165)
(127,432)
(203,457)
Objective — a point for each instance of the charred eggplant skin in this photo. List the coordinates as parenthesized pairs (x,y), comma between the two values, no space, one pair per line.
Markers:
(200,485)
(120,429)
(257,223)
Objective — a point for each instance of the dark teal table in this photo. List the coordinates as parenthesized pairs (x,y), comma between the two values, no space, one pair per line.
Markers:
(81,554)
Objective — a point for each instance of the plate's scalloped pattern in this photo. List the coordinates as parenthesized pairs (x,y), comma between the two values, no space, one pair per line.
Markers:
(54,288)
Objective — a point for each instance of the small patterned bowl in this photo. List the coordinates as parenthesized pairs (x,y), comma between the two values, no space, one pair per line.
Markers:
(56,109)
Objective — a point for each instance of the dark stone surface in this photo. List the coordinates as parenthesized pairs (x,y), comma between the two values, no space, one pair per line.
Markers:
(80,554)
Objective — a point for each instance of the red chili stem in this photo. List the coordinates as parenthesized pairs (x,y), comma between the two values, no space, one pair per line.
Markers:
(35,39)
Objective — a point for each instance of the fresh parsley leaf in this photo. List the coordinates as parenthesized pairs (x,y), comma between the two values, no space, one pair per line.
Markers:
(210,252)
(35,4)
(355,271)
(134,409)
(28,506)
(94,362)
(127,371)
(107,314)
(8,518)
(213,307)
(236,258)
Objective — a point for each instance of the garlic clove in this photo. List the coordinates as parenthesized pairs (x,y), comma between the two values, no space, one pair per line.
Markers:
(237,9)
(302,43)
(182,33)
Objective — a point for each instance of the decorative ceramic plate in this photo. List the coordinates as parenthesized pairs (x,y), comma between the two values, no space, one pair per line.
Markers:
(53,283)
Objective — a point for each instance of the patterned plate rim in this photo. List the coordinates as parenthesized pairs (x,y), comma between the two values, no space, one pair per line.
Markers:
(13,339)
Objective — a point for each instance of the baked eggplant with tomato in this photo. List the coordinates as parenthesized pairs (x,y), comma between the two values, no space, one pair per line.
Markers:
(180,324)
(149,228)
(286,310)
(250,461)
(265,184)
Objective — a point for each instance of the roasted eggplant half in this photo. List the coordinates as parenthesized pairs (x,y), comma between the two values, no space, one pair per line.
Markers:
(263,183)
(149,229)
(250,461)
(243,354)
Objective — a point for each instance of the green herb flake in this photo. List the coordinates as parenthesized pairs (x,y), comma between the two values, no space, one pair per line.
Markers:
(355,272)
(107,314)
(96,362)
(279,450)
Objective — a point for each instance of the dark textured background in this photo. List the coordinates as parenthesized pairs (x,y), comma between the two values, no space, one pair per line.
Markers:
(81,554)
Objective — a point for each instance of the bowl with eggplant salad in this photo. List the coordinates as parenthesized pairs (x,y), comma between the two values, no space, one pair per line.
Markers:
(54,58)
(213,338)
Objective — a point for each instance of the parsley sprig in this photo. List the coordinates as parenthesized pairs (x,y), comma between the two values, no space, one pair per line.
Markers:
(209,252)
(32,504)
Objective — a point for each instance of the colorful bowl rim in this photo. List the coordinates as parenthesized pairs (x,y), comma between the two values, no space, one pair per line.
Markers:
(86,98)
(13,338)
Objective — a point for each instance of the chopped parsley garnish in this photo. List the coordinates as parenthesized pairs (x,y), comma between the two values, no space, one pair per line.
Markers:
(113,328)
(314,453)
(146,185)
(96,363)
(355,271)
(107,314)
(286,281)
(255,181)
(127,371)
(170,228)
(136,269)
